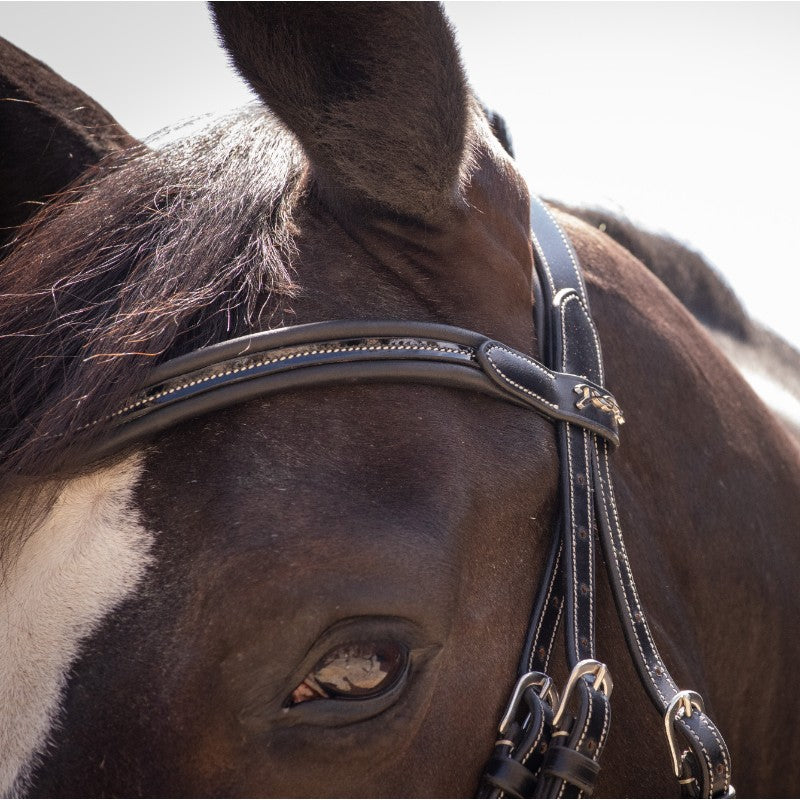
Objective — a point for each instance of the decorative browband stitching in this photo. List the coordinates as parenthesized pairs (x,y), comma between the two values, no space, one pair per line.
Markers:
(344,351)
(271,361)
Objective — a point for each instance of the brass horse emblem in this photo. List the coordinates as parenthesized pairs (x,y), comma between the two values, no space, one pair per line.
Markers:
(605,402)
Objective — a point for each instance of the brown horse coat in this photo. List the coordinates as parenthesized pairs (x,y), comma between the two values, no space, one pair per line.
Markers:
(258,539)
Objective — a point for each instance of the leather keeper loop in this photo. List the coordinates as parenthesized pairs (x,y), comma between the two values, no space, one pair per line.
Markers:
(572,767)
(510,776)
(689,785)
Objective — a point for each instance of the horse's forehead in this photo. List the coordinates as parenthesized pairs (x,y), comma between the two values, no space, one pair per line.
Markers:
(342,497)
(333,462)
(471,269)
(358,507)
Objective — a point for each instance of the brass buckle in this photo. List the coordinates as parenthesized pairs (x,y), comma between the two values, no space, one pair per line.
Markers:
(546,691)
(585,668)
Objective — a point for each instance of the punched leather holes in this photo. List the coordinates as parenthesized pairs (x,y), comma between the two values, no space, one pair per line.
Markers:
(356,671)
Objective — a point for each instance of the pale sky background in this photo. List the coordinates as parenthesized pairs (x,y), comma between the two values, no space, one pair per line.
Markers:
(685,116)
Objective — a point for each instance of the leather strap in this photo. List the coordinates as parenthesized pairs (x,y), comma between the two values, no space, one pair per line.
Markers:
(570,340)
(564,330)
(570,769)
(710,760)
(569,766)
(546,611)
(574,340)
(349,351)
(580,350)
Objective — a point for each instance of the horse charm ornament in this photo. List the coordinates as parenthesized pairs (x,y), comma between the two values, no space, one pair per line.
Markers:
(605,402)
(298,486)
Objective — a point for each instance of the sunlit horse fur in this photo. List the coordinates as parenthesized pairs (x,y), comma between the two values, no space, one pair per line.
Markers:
(160,608)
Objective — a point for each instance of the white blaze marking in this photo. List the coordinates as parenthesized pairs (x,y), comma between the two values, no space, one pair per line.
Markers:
(78,563)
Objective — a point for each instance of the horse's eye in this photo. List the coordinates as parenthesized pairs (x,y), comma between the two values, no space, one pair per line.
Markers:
(353,672)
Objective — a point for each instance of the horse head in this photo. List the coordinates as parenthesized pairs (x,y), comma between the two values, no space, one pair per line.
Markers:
(202,582)
(325,591)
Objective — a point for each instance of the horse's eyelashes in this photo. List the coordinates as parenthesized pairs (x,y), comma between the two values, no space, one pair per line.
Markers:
(354,671)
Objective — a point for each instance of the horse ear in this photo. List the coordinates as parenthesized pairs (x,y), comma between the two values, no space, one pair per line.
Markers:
(375,93)
(50,133)
(500,130)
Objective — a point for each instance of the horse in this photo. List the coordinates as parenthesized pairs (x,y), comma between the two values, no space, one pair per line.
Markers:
(771,364)
(325,592)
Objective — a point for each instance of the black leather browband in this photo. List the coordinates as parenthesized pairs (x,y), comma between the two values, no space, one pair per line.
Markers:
(354,351)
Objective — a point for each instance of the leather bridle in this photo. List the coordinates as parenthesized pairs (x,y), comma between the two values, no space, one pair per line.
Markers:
(548,744)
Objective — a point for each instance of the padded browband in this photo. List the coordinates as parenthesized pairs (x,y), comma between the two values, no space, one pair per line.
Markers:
(354,351)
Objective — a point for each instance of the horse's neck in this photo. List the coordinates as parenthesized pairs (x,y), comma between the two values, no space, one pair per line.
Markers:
(768,363)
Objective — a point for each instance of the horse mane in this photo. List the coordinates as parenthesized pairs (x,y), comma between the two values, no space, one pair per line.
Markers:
(154,252)
(682,270)
(685,272)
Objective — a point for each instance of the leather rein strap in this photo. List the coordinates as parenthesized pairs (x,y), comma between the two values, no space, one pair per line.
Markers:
(547,746)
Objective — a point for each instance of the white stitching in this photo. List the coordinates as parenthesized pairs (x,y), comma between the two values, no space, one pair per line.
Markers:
(603,732)
(571,472)
(562,309)
(707,757)
(553,636)
(541,618)
(546,372)
(567,246)
(589,539)
(535,739)
(606,708)
(624,592)
(712,729)
(586,724)
(562,789)
(582,737)
(543,259)
(266,362)
(517,385)
(630,582)
(592,329)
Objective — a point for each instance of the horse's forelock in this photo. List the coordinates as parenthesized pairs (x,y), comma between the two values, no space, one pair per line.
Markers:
(153,254)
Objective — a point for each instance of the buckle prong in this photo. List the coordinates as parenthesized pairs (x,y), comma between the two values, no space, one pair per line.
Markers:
(547,692)
(585,668)
(685,701)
